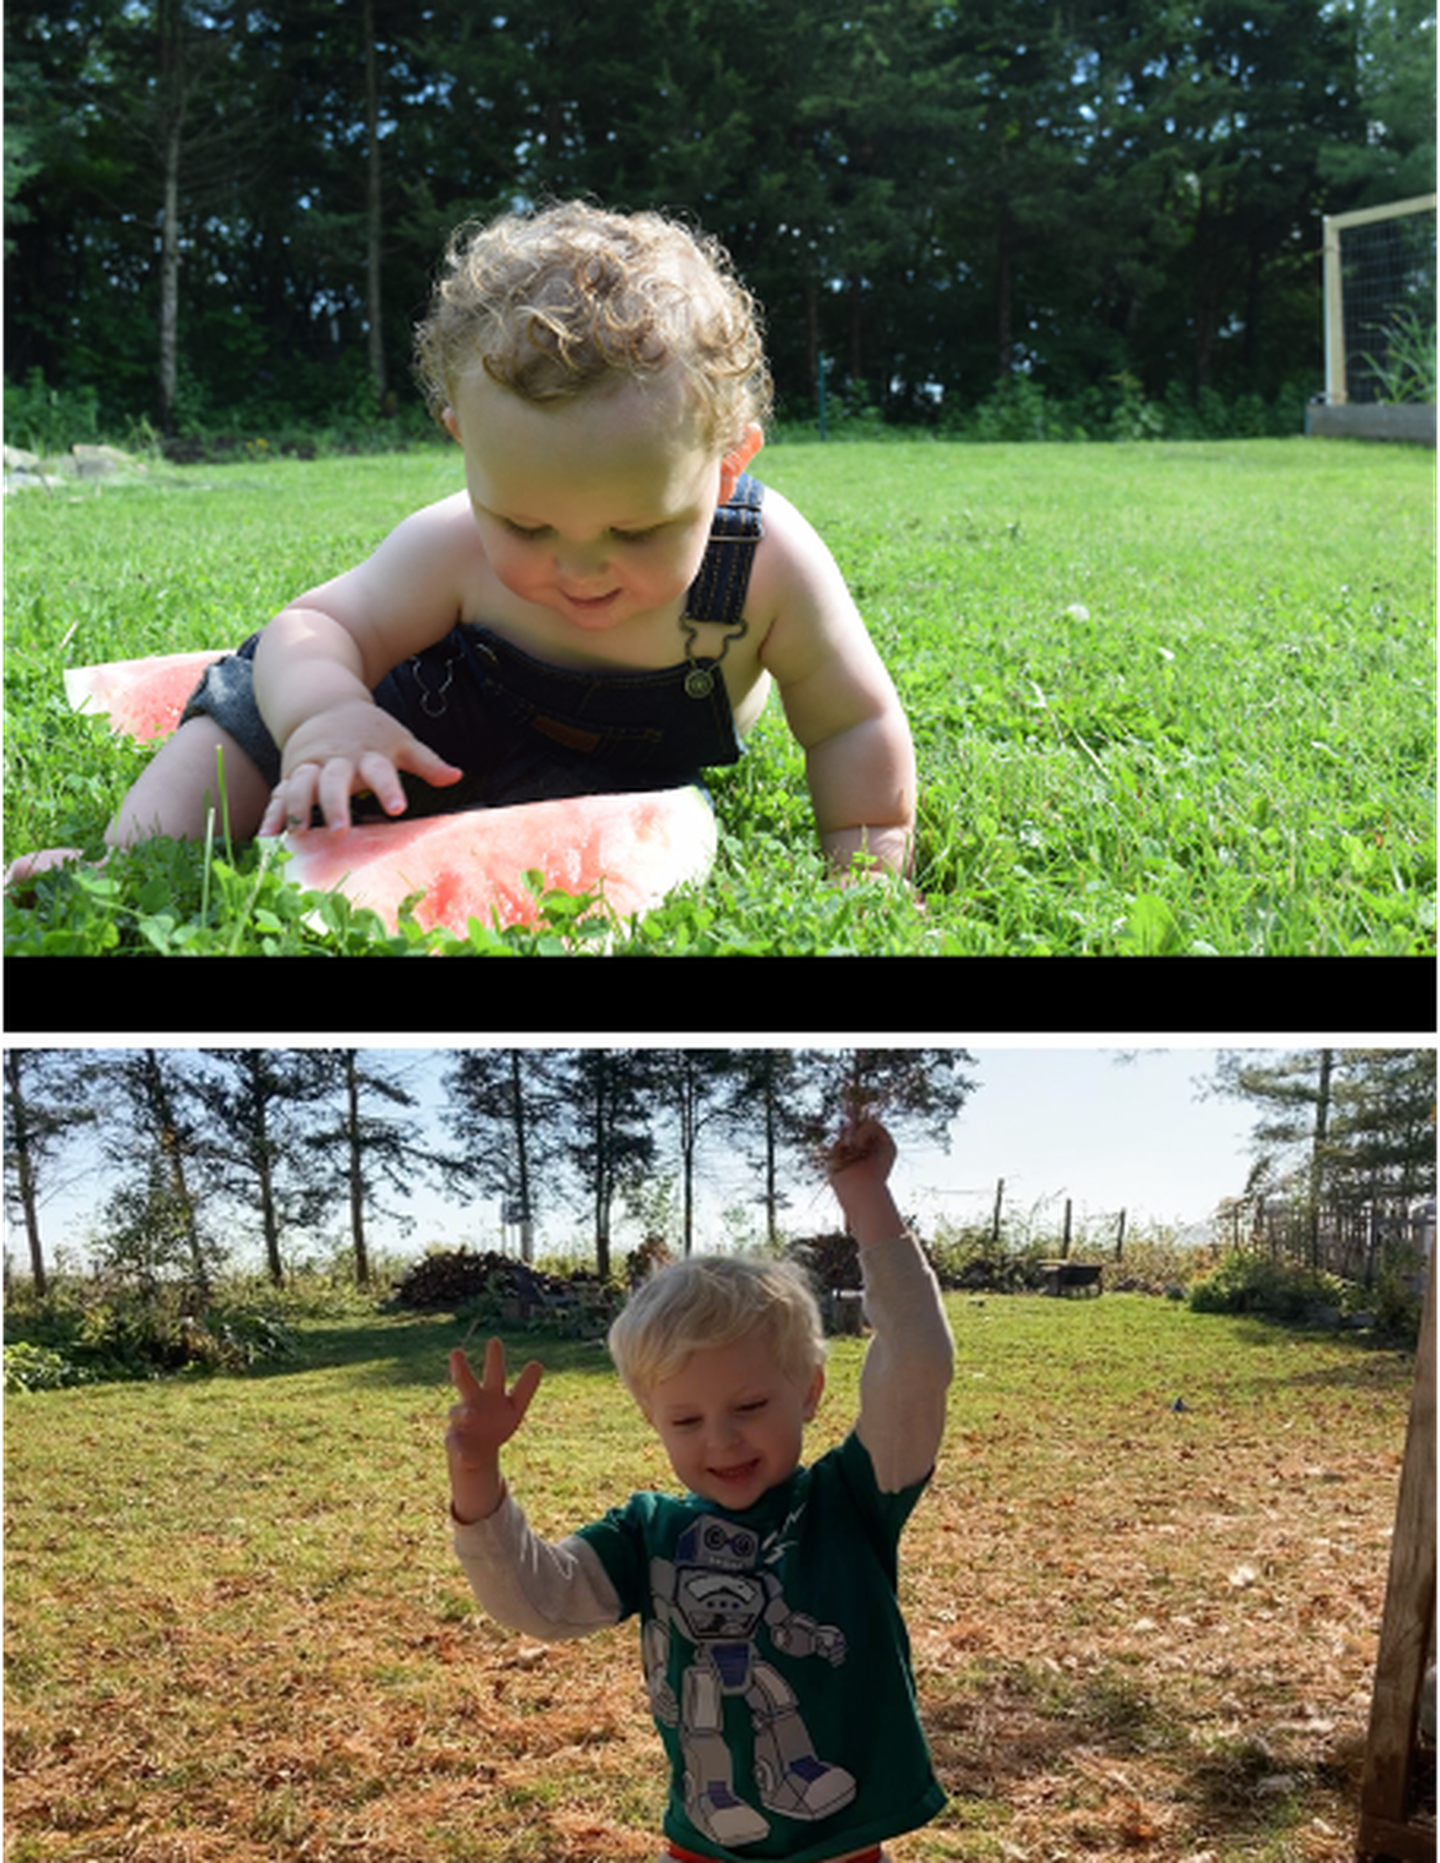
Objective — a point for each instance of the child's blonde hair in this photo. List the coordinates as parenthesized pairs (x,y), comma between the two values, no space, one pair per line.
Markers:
(713,1300)
(555,303)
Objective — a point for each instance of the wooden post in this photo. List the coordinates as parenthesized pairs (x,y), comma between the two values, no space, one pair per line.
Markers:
(1065,1240)
(1120,1239)
(1335,392)
(1406,1636)
(995,1219)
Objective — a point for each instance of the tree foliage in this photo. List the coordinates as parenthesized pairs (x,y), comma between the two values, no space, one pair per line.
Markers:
(231,213)
(1337,1125)
(212,1149)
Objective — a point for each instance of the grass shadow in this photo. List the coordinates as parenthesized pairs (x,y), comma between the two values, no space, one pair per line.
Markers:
(1018,1730)
(413,1349)
(1021,1720)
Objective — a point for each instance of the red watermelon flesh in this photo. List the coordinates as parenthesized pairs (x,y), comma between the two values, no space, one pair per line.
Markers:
(473,864)
(144,698)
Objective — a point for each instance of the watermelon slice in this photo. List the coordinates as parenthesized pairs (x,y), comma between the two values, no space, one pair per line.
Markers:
(143,698)
(631,848)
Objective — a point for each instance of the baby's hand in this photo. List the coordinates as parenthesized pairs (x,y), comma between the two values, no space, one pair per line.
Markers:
(341,752)
(22,873)
(487,1415)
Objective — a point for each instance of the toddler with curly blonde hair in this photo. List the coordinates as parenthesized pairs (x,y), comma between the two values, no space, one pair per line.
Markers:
(603,608)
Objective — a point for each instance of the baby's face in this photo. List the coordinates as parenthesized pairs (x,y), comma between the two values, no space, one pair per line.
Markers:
(599,509)
(731,1421)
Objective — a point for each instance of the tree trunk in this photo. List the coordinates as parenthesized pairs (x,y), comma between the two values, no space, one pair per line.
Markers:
(269,1221)
(373,304)
(1317,1154)
(172,1150)
(812,333)
(522,1160)
(24,1170)
(604,1171)
(772,1164)
(357,1174)
(1004,293)
(170,280)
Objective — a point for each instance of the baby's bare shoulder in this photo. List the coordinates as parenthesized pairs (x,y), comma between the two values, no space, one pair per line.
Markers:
(791,550)
(413,588)
(799,592)
(448,526)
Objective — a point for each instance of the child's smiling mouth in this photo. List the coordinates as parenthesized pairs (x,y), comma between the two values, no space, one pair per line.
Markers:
(592,604)
(741,1472)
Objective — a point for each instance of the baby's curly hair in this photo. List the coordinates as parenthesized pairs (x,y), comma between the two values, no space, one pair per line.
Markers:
(555,303)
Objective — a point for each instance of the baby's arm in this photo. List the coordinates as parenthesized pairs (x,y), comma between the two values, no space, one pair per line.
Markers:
(320,658)
(839,700)
(911,1357)
(526,1583)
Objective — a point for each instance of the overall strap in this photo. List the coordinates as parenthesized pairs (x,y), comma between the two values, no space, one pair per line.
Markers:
(718,592)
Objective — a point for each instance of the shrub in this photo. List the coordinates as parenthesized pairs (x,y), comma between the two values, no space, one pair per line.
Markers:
(82,1332)
(1277,1290)
(49,421)
(30,1367)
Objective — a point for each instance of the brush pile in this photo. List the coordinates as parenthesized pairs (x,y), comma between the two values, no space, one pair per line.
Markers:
(831,1261)
(459,1277)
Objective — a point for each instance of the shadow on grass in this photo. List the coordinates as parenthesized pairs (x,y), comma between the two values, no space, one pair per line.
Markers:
(375,1349)
(1373,1361)
(415,1349)
(1259,1328)
(1018,1721)
(1017,1725)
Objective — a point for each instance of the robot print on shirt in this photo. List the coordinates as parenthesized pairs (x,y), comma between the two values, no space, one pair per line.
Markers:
(714,1598)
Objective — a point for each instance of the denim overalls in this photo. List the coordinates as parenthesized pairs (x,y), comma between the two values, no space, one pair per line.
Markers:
(525,731)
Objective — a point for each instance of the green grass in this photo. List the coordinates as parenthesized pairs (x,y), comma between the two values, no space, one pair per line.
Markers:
(235,1630)
(1167,698)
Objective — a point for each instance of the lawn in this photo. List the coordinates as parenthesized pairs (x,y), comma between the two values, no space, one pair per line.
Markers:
(236,1633)
(1167,698)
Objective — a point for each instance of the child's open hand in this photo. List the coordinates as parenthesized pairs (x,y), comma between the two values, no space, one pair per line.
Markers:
(341,752)
(487,1415)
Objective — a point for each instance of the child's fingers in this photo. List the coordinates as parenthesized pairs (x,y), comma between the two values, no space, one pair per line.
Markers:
(494,1378)
(291,800)
(377,774)
(462,1376)
(21,874)
(421,761)
(338,780)
(525,1387)
(860,1139)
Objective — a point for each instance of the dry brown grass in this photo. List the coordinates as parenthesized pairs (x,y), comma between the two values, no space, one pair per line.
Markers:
(236,1634)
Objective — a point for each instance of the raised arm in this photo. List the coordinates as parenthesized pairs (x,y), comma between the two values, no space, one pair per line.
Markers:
(911,1356)
(549,1590)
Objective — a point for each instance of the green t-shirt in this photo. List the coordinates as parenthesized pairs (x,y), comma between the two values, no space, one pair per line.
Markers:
(778,1662)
